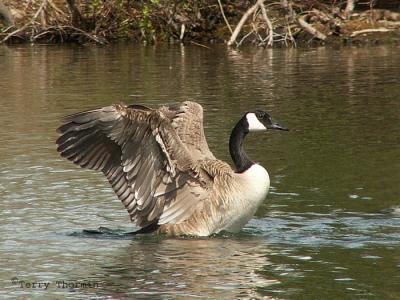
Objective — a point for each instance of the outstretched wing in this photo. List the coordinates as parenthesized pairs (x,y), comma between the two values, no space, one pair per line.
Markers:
(142,156)
(187,119)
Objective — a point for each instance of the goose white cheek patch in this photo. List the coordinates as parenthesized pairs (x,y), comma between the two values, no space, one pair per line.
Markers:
(254,123)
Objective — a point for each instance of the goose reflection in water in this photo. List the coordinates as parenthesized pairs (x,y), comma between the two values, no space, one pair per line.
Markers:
(205,268)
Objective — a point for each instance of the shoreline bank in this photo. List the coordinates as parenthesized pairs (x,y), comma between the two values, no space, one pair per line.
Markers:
(235,23)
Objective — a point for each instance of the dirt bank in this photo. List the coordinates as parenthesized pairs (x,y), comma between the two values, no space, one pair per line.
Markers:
(262,23)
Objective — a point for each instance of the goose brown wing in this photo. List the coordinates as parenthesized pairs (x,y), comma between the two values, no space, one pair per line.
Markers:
(142,156)
(187,119)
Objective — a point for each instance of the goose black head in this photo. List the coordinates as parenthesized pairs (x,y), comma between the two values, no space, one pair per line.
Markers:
(260,120)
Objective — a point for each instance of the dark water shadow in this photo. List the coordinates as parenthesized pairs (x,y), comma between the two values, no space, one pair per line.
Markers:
(106,233)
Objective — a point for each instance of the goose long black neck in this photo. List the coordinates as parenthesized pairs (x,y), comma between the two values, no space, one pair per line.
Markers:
(241,160)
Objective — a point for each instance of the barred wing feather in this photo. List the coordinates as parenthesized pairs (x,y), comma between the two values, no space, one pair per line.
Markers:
(140,152)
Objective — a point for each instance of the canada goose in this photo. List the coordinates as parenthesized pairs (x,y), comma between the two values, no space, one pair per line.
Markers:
(159,165)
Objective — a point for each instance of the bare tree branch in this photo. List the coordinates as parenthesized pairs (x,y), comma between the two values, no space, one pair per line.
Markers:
(241,23)
(307,27)
(269,24)
(253,10)
(372,30)
(223,15)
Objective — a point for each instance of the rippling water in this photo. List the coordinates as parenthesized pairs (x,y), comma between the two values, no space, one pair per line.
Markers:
(330,227)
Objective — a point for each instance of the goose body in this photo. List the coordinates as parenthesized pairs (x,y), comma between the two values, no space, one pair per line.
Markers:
(159,165)
(255,181)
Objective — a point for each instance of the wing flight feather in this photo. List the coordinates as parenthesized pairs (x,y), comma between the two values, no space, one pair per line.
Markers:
(145,154)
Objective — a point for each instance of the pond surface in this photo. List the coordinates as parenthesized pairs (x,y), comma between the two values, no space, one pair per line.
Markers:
(329,228)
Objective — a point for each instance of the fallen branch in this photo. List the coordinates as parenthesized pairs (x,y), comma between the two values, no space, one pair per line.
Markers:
(290,35)
(223,15)
(253,10)
(389,24)
(245,37)
(255,30)
(62,30)
(307,27)
(290,15)
(200,45)
(40,35)
(372,30)
(321,15)
(267,20)
(241,23)
(84,33)
(181,36)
